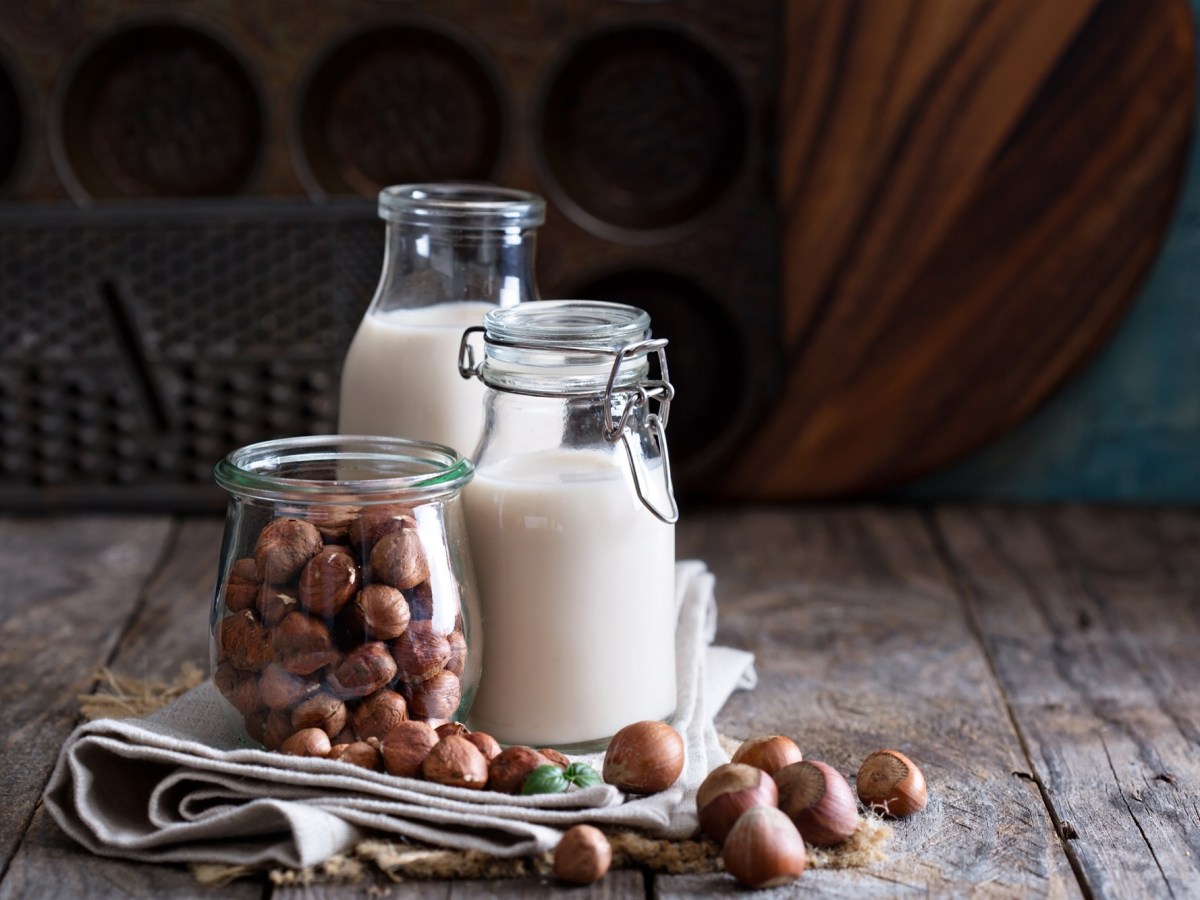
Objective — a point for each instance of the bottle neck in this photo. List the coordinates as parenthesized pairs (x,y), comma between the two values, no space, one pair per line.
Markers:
(426,264)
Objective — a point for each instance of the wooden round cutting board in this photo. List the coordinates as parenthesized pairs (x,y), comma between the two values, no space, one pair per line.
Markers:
(971,192)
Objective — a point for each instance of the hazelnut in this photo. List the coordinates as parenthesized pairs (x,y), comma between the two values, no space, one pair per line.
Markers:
(275,601)
(346,736)
(239,687)
(421,652)
(358,753)
(278,728)
(458,653)
(449,728)
(437,698)
(362,671)
(644,758)
(420,601)
(241,587)
(334,522)
(487,744)
(559,759)
(583,855)
(764,849)
(256,726)
(322,710)
(818,799)
(280,689)
(283,547)
(508,770)
(890,784)
(398,558)
(303,644)
(374,523)
(378,613)
(328,581)
(307,742)
(727,792)
(770,753)
(457,762)
(242,642)
(406,746)
(379,713)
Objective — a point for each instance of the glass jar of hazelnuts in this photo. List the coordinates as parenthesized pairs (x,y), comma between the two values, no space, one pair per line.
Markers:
(346,598)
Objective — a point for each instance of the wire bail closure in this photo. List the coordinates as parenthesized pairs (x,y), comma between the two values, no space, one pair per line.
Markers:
(659,389)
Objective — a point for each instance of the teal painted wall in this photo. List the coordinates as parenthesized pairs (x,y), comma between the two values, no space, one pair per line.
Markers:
(1127,428)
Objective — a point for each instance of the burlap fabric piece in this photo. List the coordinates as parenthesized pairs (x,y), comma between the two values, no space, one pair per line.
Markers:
(177,786)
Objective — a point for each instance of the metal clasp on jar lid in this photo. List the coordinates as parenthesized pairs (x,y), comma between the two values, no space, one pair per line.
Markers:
(631,400)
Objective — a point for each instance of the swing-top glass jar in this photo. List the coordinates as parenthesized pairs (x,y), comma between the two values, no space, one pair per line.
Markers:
(571,518)
(453,252)
(346,598)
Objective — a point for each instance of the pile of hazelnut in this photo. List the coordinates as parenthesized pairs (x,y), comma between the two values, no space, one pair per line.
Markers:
(329,629)
(764,805)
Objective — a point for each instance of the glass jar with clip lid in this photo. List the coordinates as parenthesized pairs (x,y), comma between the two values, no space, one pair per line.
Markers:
(571,520)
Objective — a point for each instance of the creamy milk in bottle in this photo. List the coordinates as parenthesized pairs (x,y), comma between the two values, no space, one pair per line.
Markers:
(453,252)
(571,522)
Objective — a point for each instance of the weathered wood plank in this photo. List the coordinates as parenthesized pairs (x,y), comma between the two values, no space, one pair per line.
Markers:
(168,628)
(60,869)
(626,885)
(1092,620)
(70,587)
(862,643)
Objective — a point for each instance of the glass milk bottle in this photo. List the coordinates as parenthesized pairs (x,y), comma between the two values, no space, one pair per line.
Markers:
(453,252)
(571,522)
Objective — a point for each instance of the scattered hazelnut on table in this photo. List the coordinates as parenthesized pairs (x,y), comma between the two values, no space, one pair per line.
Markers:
(818,799)
(890,783)
(583,855)
(457,762)
(448,728)
(764,849)
(727,792)
(406,746)
(283,547)
(358,753)
(508,770)
(559,759)
(644,758)
(307,742)
(487,744)
(769,753)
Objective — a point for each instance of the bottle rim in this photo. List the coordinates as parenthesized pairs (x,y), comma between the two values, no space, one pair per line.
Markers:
(474,205)
(305,469)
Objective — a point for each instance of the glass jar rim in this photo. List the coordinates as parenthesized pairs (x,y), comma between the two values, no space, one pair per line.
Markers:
(402,469)
(464,204)
(590,324)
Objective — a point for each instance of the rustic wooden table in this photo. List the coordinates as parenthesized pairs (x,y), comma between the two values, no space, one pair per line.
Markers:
(1040,664)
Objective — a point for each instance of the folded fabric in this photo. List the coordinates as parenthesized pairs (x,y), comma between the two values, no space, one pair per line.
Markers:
(180,786)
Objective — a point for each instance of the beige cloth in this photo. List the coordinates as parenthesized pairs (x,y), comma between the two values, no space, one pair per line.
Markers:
(178,786)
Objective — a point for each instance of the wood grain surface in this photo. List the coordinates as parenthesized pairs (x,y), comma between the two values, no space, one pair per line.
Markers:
(1039,664)
(971,192)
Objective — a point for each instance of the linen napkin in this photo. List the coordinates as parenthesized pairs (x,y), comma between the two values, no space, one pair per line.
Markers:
(179,786)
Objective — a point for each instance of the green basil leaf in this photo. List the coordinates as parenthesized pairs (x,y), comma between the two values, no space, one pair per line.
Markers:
(548,779)
(582,775)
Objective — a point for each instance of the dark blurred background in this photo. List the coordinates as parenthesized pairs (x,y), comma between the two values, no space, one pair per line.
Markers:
(902,248)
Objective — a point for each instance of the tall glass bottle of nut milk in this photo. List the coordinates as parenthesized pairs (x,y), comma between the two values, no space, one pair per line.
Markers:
(571,521)
(453,252)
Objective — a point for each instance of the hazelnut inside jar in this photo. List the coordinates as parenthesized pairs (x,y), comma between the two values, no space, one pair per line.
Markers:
(345,587)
